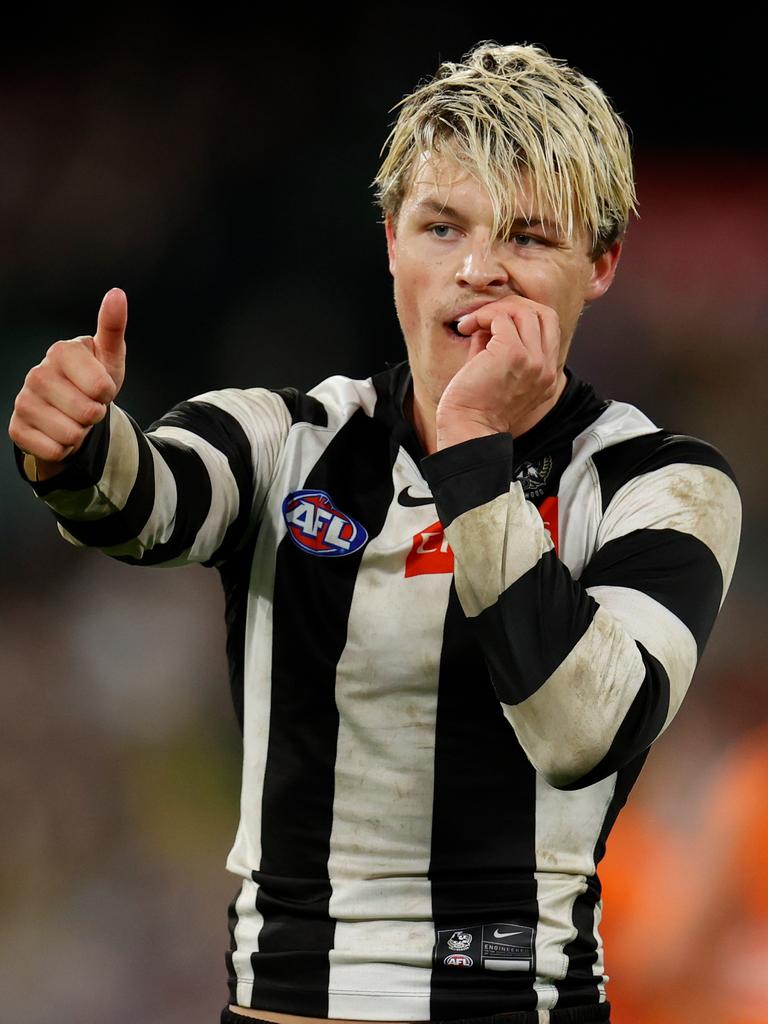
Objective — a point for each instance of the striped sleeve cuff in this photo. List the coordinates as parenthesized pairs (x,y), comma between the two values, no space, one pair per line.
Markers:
(467,475)
(81,470)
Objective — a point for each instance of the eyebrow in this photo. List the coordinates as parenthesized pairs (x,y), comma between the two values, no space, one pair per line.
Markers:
(442,209)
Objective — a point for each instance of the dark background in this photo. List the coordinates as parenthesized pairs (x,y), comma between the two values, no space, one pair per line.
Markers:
(220,173)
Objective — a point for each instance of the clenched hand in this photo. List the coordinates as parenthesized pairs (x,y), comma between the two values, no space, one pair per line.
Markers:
(512,369)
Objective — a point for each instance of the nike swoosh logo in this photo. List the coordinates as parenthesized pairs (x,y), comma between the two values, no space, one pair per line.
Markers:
(404,498)
(505,935)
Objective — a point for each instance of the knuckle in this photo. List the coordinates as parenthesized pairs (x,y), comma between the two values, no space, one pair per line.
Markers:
(35,377)
(23,403)
(50,450)
(94,413)
(536,365)
(15,430)
(105,389)
(72,435)
(56,350)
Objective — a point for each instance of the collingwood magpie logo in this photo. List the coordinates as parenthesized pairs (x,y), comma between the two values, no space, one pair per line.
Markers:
(533,476)
(460,941)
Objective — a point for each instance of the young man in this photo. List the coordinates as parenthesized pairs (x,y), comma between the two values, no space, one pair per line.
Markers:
(464,596)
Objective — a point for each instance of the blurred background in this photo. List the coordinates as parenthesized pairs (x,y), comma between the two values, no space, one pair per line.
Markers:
(219,172)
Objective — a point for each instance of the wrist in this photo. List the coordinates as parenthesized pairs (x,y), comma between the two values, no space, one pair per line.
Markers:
(456,430)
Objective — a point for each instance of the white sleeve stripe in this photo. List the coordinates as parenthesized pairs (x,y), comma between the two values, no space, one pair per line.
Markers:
(159,527)
(265,421)
(568,725)
(660,631)
(122,463)
(113,489)
(225,495)
(698,500)
(517,538)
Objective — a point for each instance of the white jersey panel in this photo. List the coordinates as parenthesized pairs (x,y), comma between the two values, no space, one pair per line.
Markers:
(386,693)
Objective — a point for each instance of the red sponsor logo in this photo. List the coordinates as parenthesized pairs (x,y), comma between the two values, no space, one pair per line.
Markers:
(429,553)
(548,513)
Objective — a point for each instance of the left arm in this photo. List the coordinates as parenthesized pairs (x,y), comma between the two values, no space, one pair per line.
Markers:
(589,672)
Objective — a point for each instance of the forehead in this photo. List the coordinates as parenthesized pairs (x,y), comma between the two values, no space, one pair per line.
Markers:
(441,178)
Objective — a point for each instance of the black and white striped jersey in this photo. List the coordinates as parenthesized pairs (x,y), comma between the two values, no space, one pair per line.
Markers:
(448,671)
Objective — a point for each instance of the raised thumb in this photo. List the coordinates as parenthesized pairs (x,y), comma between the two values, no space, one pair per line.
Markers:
(109,339)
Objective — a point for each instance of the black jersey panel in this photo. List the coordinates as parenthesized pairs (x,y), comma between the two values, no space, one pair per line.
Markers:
(483,832)
(676,569)
(126,523)
(642,723)
(532,628)
(620,463)
(194,483)
(303,408)
(222,431)
(312,600)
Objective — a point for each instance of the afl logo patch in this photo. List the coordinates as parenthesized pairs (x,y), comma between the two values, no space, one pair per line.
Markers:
(458,960)
(316,526)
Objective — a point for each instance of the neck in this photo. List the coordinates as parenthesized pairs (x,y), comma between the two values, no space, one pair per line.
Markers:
(422,413)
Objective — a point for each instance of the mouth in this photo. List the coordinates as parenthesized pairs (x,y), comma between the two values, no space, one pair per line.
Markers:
(452,326)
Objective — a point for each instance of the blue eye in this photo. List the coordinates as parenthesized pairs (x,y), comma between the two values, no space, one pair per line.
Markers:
(440,230)
(523,240)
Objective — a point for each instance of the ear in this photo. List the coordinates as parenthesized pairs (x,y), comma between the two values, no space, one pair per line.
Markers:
(389,230)
(603,273)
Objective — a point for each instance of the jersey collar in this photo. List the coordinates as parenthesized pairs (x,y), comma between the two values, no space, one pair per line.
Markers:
(578,406)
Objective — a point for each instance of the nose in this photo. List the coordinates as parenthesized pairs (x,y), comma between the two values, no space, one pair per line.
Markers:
(482,269)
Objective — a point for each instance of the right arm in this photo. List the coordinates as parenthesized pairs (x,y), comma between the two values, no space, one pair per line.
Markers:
(187,490)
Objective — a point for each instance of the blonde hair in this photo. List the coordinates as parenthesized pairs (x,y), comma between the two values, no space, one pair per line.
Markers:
(509,111)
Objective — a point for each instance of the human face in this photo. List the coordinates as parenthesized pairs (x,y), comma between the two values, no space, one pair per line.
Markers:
(445,262)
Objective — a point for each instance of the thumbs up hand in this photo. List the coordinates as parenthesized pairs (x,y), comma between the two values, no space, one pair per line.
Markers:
(69,391)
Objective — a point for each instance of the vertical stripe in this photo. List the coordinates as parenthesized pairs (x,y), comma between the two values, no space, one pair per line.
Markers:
(585,968)
(254,586)
(248,606)
(598,968)
(244,923)
(386,694)
(568,827)
(312,599)
(483,857)
(235,577)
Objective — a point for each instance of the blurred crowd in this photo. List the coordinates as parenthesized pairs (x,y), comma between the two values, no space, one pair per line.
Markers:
(237,216)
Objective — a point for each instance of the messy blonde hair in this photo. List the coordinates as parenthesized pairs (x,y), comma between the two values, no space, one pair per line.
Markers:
(508,111)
